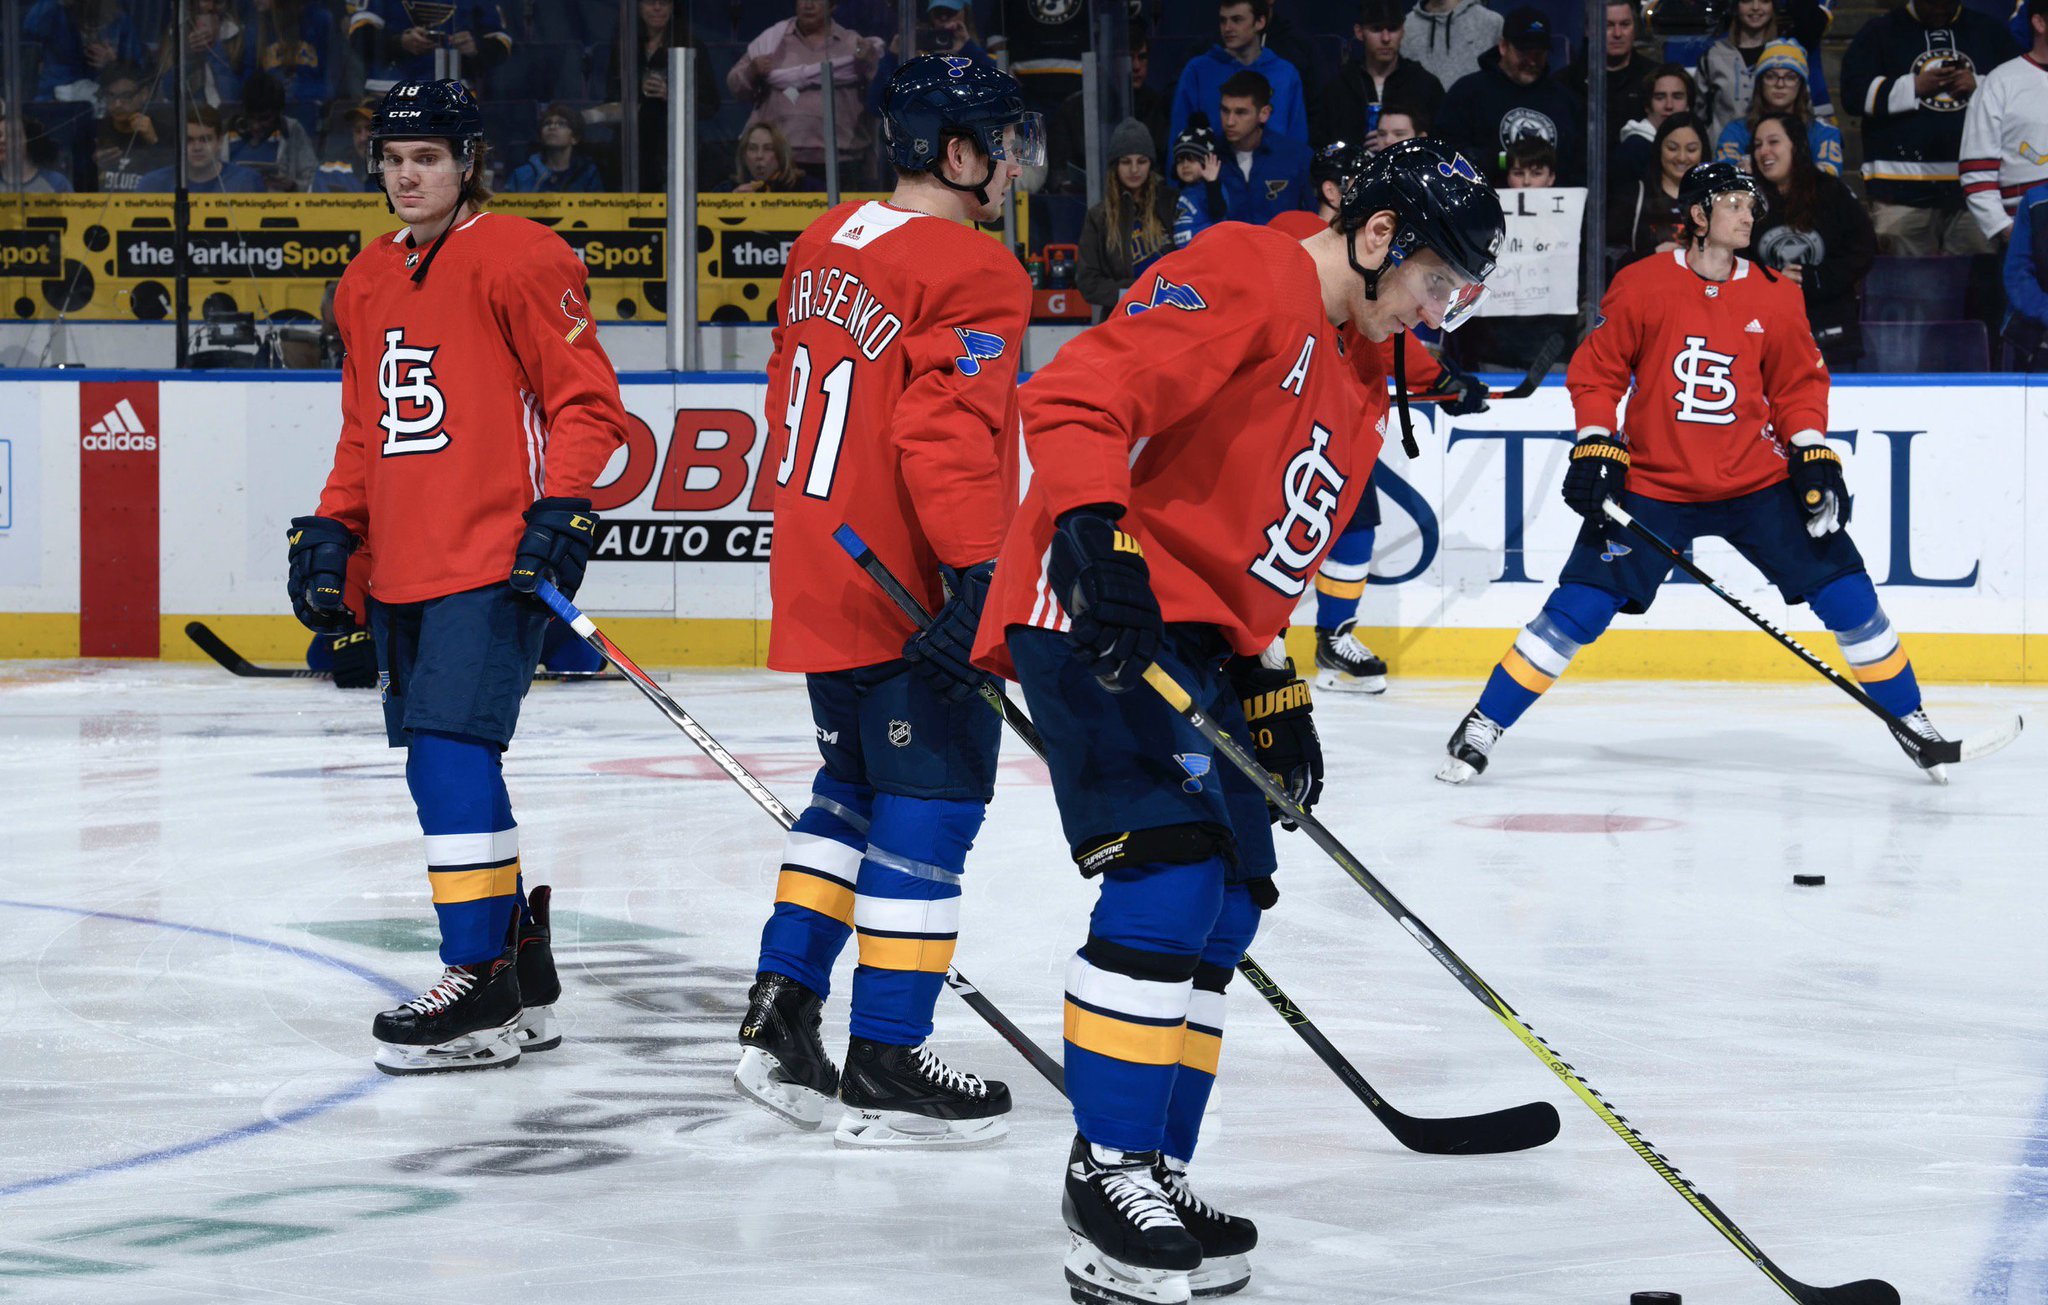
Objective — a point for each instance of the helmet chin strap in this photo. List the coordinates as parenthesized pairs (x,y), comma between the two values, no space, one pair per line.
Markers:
(1371,277)
(979,189)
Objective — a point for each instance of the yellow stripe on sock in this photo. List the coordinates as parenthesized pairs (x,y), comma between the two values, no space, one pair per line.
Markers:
(1339,588)
(1140,1044)
(925,955)
(1523,672)
(1883,670)
(1203,1051)
(820,893)
(453,886)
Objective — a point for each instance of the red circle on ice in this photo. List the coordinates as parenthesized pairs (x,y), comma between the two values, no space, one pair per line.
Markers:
(1569,822)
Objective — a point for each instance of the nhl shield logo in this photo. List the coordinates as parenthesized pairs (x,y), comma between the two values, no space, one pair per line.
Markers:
(899,733)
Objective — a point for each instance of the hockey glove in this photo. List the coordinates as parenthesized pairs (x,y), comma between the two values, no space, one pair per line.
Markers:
(315,570)
(1099,575)
(1817,480)
(355,659)
(943,651)
(1467,393)
(560,532)
(1284,738)
(1598,472)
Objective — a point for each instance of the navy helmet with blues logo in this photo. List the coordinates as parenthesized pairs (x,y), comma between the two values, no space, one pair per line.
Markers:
(935,96)
(1439,202)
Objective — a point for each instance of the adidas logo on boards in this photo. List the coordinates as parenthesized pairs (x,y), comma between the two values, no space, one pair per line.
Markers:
(120,431)
(1755,327)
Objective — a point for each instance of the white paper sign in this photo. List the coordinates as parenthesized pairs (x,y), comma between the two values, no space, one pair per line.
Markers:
(1538,270)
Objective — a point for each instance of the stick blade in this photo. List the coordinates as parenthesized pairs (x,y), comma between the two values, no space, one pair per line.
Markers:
(1866,1291)
(1990,741)
(1518,1128)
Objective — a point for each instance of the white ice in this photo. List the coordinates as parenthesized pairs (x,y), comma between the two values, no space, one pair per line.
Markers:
(208,886)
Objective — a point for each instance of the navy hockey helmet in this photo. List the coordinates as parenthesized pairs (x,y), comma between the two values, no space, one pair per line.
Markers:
(427,110)
(1335,162)
(1439,202)
(1703,183)
(935,96)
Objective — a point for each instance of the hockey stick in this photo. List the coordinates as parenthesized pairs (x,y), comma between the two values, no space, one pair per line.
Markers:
(217,648)
(1546,357)
(768,802)
(1929,752)
(1867,1291)
(1515,1129)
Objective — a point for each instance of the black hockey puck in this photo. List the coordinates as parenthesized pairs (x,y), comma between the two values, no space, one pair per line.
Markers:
(1654,1298)
(1806,881)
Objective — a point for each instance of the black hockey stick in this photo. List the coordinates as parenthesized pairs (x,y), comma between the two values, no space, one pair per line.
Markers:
(1867,1291)
(1515,1129)
(217,648)
(1929,752)
(768,802)
(1546,357)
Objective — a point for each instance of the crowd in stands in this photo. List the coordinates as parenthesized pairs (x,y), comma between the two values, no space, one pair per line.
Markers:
(1930,140)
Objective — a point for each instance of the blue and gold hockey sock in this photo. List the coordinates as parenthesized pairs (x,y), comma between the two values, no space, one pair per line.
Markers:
(1129,989)
(458,788)
(1848,606)
(1203,1049)
(814,893)
(1573,616)
(1341,581)
(906,913)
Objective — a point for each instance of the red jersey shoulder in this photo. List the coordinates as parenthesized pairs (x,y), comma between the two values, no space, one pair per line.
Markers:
(1298,223)
(1253,273)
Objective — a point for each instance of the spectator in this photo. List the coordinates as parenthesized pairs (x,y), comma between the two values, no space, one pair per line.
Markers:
(1512,343)
(1044,43)
(2026,284)
(1198,167)
(1242,48)
(778,75)
(556,167)
(1648,220)
(1448,37)
(1909,74)
(77,41)
(129,140)
(1670,90)
(20,174)
(1628,70)
(2005,132)
(764,166)
(206,172)
(266,142)
(1264,173)
(948,29)
(346,168)
(1532,164)
(1509,98)
(1781,88)
(1814,232)
(1132,226)
(216,59)
(1375,74)
(1398,121)
(1067,153)
(654,36)
(295,41)
(397,47)
(1726,71)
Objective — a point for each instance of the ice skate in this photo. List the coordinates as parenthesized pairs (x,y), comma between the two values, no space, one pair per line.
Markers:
(469,1020)
(907,1096)
(1346,665)
(783,1066)
(539,988)
(1917,721)
(1470,743)
(1225,1239)
(1129,1244)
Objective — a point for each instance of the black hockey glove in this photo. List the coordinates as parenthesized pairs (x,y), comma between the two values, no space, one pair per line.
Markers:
(1276,709)
(560,532)
(942,652)
(355,660)
(316,568)
(1467,392)
(1817,480)
(1598,472)
(1099,575)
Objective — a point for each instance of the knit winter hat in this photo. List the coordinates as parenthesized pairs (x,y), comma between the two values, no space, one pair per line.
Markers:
(1788,55)
(1130,137)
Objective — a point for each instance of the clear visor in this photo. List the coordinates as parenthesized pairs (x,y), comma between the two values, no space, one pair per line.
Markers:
(1023,142)
(1741,201)
(1448,296)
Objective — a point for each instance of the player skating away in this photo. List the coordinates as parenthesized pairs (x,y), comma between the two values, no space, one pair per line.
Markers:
(894,382)
(1724,436)
(477,408)
(1193,457)
(1343,662)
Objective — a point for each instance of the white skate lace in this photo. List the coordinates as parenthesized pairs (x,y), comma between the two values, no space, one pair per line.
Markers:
(1347,648)
(1136,1195)
(1176,1184)
(939,1073)
(1480,733)
(1922,726)
(455,981)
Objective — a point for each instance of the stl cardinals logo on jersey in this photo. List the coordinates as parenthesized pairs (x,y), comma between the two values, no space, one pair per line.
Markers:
(1165,294)
(1706,392)
(413,404)
(576,311)
(1311,485)
(981,346)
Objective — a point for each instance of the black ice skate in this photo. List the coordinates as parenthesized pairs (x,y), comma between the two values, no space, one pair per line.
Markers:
(1470,743)
(783,1068)
(906,1096)
(1225,1239)
(469,1020)
(539,988)
(1345,664)
(1129,1244)
(1918,722)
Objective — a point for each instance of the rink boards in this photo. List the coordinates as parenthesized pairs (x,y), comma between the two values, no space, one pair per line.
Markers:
(131,503)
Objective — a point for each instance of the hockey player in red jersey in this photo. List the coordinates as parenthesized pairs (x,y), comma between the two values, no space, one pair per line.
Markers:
(477,408)
(1725,435)
(1194,457)
(892,399)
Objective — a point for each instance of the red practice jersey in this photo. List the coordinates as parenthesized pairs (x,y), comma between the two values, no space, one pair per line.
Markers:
(892,408)
(1216,405)
(1373,362)
(464,398)
(1724,373)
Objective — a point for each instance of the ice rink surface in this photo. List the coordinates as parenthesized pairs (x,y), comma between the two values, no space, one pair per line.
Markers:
(208,886)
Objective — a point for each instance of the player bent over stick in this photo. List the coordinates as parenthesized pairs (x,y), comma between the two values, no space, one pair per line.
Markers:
(896,383)
(1194,456)
(1724,436)
(470,400)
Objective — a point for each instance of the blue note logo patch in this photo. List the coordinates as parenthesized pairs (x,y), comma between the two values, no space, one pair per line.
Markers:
(1196,764)
(1166,294)
(981,347)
